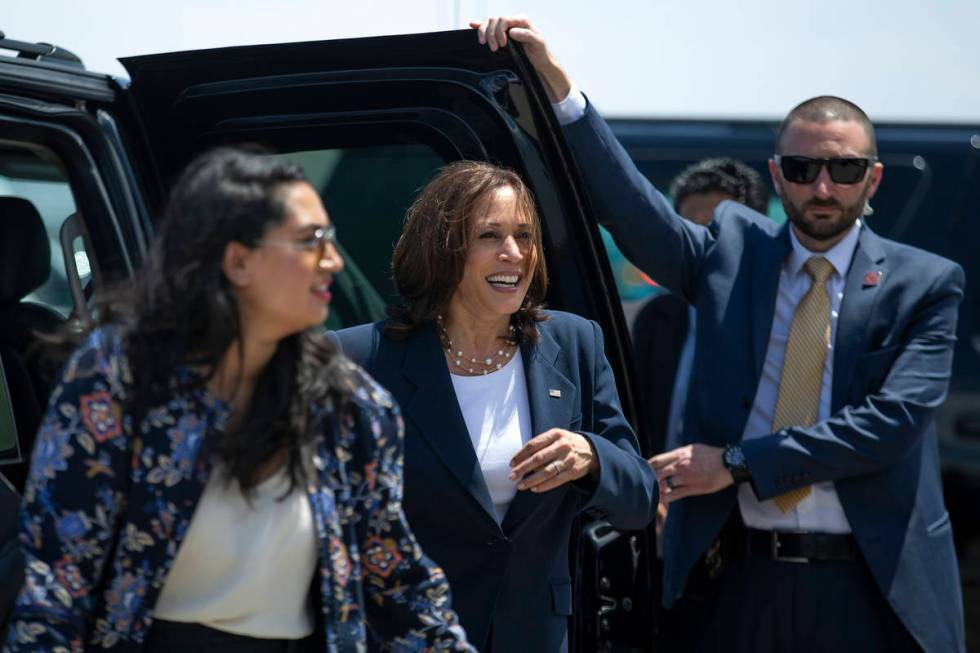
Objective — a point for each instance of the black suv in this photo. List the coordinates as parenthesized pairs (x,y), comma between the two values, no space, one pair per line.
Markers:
(85,162)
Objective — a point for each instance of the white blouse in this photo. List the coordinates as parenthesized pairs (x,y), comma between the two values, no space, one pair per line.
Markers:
(245,568)
(498,418)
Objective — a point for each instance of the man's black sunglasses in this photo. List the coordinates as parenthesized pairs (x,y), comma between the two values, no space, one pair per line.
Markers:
(842,170)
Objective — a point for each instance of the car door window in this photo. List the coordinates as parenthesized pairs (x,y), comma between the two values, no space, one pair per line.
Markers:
(36,176)
(46,269)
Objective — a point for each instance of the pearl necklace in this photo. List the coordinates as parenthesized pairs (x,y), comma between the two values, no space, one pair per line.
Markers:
(473,365)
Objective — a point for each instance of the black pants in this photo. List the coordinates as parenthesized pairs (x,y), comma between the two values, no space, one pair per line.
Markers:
(760,605)
(170,636)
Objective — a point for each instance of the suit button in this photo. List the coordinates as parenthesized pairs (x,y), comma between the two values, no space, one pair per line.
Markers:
(498,545)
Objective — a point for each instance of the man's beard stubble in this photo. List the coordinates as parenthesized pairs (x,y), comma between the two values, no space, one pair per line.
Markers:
(825,230)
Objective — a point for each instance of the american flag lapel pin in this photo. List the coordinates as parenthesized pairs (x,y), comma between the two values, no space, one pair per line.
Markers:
(872,278)
(553,392)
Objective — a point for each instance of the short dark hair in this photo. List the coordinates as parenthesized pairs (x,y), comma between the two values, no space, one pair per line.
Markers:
(827,108)
(429,258)
(723,176)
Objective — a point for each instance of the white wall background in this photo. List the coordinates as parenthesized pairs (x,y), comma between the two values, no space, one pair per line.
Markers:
(899,59)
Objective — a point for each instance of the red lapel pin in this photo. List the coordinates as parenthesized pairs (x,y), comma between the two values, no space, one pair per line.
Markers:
(872,279)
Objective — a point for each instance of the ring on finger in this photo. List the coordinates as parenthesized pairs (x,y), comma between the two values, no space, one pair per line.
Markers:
(555,467)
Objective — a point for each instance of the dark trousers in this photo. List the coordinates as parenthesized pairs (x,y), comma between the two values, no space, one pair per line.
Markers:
(170,637)
(760,605)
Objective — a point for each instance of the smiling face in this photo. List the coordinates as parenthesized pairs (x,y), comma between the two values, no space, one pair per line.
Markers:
(500,257)
(822,211)
(282,283)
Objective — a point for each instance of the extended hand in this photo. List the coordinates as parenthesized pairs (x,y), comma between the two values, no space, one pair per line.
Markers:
(555,457)
(494,32)
(690,471)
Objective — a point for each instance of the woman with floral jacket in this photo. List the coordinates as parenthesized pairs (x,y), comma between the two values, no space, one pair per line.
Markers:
(211,473)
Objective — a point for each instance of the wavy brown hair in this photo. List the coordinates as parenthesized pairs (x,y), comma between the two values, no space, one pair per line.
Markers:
(429,258)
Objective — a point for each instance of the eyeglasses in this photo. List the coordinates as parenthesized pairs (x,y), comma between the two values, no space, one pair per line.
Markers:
(842,170)
(318,242)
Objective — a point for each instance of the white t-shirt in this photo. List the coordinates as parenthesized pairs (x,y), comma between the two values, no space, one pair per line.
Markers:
(245,569)
(498,418)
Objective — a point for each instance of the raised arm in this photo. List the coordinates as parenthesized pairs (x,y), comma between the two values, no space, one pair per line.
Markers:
(642,221)
(494,32)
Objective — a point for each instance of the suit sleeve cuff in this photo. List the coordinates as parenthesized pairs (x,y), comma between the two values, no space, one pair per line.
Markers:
(624,492)
(760,457)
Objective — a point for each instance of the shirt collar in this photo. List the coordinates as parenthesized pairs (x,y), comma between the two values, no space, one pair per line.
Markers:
(839,255)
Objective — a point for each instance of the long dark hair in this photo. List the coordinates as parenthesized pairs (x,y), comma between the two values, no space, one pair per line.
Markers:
(430,256)
(180,312)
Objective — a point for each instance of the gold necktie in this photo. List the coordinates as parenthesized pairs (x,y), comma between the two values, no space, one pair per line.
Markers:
(806,352)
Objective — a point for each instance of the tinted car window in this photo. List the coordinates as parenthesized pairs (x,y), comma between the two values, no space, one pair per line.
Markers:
(37,296)
(27,175)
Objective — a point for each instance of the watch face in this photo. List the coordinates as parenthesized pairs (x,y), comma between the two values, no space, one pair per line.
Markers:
(735,461)
(734,457)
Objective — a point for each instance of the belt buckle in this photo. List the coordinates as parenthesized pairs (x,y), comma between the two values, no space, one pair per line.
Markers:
(774,546)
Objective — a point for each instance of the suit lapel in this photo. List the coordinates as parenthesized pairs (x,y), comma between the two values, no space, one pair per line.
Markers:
(855,311)
(551,398)
(434,409)
(767,260)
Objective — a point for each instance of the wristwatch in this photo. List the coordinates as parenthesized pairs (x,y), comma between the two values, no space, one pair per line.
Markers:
(734,461)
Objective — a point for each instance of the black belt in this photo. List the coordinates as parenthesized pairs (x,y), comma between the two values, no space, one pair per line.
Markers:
(795,546)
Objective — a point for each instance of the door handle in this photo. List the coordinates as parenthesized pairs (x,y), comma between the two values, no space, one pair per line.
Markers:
(601,534)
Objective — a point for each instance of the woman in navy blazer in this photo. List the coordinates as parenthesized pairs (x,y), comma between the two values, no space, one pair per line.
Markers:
(513,422)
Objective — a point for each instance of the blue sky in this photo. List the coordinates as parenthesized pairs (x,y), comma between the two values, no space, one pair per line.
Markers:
(900,60)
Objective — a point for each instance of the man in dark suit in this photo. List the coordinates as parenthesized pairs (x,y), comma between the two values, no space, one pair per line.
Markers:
(823,351)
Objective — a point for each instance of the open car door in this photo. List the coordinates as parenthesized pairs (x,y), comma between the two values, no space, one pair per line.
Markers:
(370,120)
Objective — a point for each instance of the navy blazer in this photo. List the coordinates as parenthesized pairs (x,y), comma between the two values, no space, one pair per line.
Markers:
(512,577)
(892,363)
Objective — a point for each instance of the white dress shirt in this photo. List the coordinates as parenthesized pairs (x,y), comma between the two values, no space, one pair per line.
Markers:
(571,108)
(821,511)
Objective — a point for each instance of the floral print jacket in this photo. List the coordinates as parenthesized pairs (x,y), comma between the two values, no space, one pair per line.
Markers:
(105,511)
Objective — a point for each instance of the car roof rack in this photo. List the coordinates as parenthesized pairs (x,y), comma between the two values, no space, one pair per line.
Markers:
(41,52)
